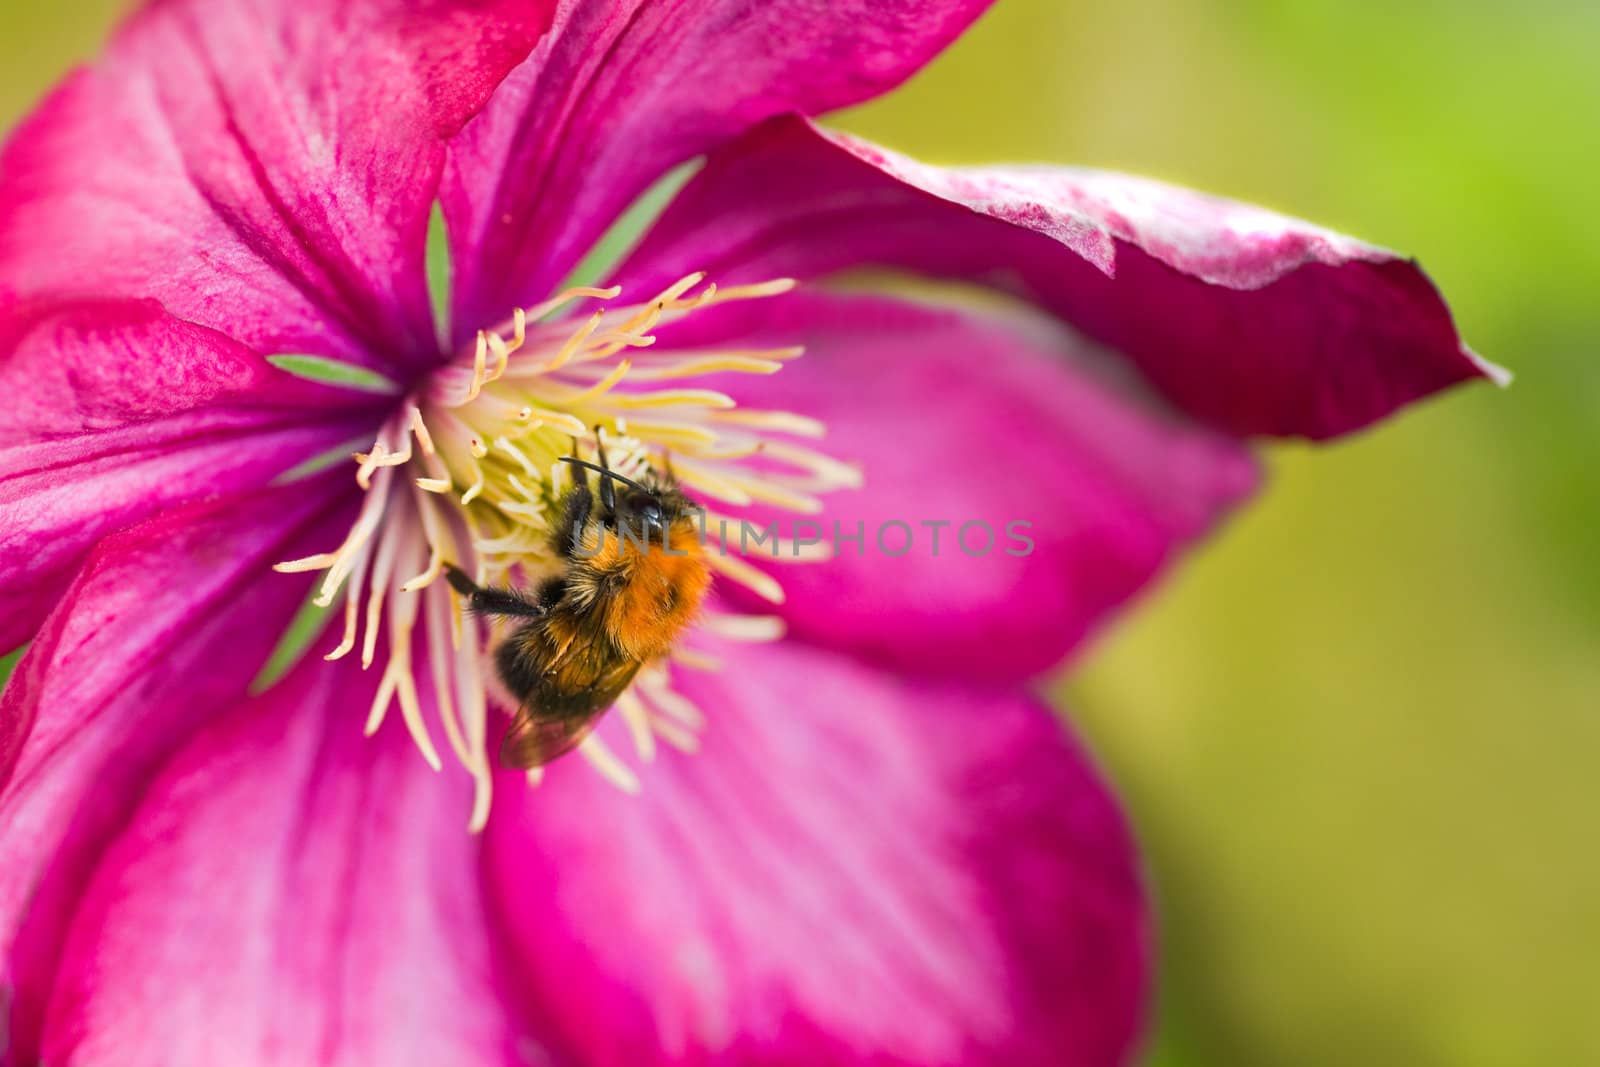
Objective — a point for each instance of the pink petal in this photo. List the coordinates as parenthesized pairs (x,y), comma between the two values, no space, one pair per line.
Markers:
(168,622)
(52,516)
(264,169)
(1062,489)
(1251,321)
(620,93)
(82,366)
(856,869)
(118,411)
(287,892)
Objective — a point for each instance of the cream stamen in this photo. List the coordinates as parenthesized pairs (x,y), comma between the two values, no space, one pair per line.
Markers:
(470,472)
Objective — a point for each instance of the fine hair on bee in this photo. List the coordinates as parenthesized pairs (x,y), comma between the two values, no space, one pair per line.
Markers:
(617,603)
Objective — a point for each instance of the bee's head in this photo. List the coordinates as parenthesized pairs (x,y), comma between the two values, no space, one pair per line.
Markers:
(644,510)
(647,511)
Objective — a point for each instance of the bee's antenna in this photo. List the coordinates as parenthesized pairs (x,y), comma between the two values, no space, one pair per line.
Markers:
(606,472)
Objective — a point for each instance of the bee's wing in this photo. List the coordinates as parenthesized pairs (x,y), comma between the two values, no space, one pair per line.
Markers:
(535,739)
(533,742)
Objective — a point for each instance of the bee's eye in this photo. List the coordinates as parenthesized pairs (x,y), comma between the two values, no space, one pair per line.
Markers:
(643,506)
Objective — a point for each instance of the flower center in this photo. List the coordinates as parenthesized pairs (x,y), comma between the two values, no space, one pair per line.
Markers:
(470,472)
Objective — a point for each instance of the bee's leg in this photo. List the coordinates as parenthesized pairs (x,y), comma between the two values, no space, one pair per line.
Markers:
(608,492)
(580,473)
(506,602)
(492,601)
(575,512)
(459,581)
(551,592)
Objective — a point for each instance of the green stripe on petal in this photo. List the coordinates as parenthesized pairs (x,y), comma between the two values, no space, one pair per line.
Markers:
(441,273)
(334,372)
(324,460)
(8,664)
(307,624)
(597,267)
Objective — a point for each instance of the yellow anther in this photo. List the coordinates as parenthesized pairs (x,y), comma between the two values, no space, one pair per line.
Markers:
(495,427)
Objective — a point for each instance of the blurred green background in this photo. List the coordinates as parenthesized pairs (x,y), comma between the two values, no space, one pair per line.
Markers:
(1359,732)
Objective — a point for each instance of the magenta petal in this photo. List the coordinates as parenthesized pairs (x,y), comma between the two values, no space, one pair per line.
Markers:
(1256,323)
(53,511)
(265,169)
(855,870)
(75,367)
(1036,488)
(619,93)
(117,412)
(168,622)
(288,893)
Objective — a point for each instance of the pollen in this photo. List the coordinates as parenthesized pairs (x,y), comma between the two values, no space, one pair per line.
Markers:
(469,472)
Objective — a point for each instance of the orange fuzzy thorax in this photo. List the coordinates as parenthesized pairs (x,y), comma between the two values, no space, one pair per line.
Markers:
(655,594)
(469,472)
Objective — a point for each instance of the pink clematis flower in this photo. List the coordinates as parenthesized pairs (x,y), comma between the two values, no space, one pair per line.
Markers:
(885,850)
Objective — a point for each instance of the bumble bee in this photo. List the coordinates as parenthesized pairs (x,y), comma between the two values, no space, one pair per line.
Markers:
(633,578)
